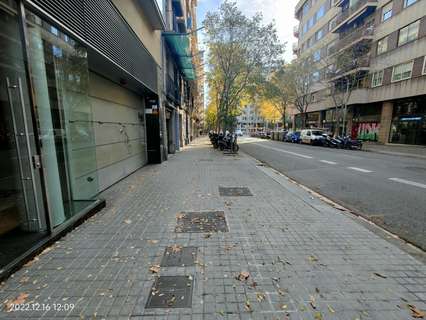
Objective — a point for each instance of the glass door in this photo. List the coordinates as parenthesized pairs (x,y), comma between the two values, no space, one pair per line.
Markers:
(21,223)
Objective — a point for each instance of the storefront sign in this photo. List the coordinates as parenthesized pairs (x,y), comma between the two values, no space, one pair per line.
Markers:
(366,131)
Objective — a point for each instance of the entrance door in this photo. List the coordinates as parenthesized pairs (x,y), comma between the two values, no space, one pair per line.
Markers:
(20,221)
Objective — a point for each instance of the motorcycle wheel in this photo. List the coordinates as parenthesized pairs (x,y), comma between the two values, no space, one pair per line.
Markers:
(221,147)
(235,148)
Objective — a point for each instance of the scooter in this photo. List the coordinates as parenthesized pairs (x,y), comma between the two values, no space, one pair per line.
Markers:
(328,141)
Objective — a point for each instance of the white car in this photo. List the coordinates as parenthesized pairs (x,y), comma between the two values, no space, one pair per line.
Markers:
(312,136)
(238,132)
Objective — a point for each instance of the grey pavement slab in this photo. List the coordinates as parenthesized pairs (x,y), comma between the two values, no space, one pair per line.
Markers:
(305,259)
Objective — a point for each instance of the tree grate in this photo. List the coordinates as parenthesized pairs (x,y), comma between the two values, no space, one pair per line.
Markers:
(171,292)
(234,191)
(178,256)
(209,221)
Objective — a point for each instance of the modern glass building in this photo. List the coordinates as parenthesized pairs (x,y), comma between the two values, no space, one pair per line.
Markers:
(75,81)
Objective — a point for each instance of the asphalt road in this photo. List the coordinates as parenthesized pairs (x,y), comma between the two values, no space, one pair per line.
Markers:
(389,190)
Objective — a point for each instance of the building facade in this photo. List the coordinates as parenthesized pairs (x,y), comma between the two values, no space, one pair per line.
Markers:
(82,106)
(183,83)
(250,120)
(387,75)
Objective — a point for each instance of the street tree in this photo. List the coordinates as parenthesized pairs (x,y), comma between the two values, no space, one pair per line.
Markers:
(277,93)
(241,52)
(342,77)
(300,85)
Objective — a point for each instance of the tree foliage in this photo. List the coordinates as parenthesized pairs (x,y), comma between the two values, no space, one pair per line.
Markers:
(241,52)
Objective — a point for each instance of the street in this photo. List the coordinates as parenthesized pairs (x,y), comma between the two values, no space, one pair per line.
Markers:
(389,190)
(207,235)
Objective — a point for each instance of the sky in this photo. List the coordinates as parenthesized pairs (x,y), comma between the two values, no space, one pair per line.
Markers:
(282,11)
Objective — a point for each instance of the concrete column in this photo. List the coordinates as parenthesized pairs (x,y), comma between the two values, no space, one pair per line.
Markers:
(385,121)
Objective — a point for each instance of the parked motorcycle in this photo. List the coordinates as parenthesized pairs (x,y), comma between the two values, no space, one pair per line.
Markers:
(328,141)
(228,142)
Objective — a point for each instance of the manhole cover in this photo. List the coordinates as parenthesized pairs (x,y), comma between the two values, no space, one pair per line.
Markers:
(171,292)
(178,256)
(209,221)
(234,191)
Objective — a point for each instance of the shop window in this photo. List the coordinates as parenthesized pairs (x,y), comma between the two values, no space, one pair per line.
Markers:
(402,71)
(408,33)
(60,74)
(387,11)
(382,45)
(377,79)
(408,3)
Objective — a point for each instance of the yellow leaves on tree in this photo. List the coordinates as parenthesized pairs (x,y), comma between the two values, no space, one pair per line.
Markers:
(269,111)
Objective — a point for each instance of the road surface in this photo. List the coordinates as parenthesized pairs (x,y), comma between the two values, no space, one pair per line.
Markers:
(389,190)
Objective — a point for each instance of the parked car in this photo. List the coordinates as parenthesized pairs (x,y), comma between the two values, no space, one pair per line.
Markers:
(238,132)
(312,136)
(288,136)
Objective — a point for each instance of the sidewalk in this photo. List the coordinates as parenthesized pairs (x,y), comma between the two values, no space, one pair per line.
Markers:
(296,257)
(397,149)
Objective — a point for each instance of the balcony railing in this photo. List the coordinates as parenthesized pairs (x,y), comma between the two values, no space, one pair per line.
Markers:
(362,62)
(362,32)
(295,48)
(347,13)
(172,89)
(296,31)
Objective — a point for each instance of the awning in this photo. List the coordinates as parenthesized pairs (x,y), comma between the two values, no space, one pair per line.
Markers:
(179,44)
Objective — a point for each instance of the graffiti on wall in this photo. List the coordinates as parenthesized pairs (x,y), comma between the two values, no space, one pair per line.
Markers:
(368,131)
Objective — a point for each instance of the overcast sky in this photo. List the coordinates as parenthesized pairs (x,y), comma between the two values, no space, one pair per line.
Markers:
(282,11)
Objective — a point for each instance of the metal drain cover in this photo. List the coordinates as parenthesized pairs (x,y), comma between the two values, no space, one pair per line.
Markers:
(178,256)
(208,221)
(171,292)
(234,191)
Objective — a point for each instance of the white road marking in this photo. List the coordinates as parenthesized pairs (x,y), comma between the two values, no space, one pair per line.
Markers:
(284,151)
(411,183)
(360,169)
(328,162)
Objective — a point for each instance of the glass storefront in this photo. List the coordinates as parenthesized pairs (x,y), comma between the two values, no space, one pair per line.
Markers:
(55,127)
(60,78)
(409,121)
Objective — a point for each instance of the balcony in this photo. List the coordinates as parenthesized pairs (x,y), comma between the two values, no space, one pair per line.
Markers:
(349,39)
(296,31)
(172,90)
(348,16)
(357,65)
(295,48)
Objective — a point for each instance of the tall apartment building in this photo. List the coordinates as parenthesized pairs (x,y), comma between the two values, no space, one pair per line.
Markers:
(388,101)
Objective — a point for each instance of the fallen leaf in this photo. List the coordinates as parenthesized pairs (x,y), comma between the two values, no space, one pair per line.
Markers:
(253,284)
(318,316)
(155,268)
(312,258)
(260,296)
(248,306)
(128,221)
(243,276)
(208,235)
(31,262)
(153,241)
(176,248)
(180,216)
(416,313)
(171,301)
(312,302)
(330,309)
(20,299)
(221,312)
(24,280)
(281,292)
(379,275)
(284,306)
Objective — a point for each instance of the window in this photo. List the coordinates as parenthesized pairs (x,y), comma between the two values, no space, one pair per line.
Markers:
(305,28)
(305,8)
(317,55)
(424,66)
(319,34)
(315,76)
(408,3)
(387,11)
(382,45)
(377,79)
(321,12)
(408,33)
(310,42)
(402,71)
(310,22)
